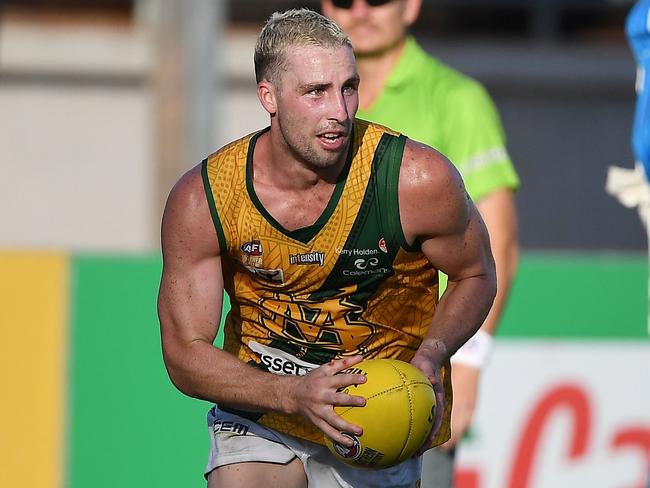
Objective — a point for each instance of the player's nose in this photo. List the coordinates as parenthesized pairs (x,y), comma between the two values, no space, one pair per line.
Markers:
(339,108)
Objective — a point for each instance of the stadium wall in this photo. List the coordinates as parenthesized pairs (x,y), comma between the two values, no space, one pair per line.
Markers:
(88,401)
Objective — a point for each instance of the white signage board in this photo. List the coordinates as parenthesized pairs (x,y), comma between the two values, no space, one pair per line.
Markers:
(561,414)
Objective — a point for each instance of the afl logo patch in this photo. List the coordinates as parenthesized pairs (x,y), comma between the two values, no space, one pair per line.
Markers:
(350,453)
(252,248)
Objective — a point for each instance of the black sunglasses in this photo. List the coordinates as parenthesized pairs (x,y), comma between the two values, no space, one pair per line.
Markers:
(346,4)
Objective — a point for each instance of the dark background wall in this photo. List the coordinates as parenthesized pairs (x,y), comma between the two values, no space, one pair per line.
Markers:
(567,109)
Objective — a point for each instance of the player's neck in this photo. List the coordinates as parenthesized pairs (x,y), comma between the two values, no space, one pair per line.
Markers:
(292,192)
(374,70)
(275,165)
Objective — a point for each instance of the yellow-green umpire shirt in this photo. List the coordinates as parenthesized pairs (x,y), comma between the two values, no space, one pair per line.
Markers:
(439,106)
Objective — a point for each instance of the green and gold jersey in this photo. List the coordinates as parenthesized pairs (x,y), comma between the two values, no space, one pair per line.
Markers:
(348,284)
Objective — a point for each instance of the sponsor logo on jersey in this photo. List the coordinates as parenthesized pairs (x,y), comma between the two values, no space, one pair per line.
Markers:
(357,252)
(365,267)
(314,257)
(365,263)
(275,276)
(280,362)
(382,245)
(252,254)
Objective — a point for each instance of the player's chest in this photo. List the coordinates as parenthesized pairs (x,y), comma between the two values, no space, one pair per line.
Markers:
(343,247)
(333,258)
(296,209)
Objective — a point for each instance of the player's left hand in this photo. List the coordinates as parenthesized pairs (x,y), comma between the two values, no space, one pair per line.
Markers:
(427,360)
(464,380)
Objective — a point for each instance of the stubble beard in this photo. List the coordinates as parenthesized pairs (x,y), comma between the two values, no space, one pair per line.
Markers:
(306,152)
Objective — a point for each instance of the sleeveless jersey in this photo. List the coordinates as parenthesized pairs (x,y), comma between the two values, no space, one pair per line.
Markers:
(348,284)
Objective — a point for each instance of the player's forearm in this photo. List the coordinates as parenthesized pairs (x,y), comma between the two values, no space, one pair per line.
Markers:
(460,313)
(203,371)
(506,256)
(500,216)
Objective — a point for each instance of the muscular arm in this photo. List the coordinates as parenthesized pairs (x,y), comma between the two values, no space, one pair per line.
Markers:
(437,213)
(500,217)
(189,309)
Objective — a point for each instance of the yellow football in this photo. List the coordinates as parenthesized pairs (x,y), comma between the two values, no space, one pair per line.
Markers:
(396,419)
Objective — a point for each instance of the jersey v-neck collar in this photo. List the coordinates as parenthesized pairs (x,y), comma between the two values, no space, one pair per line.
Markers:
(303,234)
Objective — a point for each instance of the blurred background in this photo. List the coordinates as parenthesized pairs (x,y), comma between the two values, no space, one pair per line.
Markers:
(105,103)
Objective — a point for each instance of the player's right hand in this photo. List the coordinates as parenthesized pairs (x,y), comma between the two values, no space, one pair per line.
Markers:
(315,395)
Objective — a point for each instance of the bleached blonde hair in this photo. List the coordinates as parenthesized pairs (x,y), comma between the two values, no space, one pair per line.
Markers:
(295,27)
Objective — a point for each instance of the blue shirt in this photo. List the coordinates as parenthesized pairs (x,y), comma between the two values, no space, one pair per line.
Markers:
(638,34)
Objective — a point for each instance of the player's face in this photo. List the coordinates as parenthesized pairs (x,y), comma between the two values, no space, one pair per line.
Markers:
(373,30)
(317,100)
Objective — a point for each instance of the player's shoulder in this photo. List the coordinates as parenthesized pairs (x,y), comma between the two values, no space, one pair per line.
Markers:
(425,168)
(432,196)
(187,225)
(187,195)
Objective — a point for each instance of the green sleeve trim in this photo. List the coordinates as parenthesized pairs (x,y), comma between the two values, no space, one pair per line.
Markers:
(391,182)
(213,208)
(304,234)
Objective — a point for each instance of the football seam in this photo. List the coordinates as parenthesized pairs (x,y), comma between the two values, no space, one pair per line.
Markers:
(405,382)
(408,392)
(379,393)
(403,385)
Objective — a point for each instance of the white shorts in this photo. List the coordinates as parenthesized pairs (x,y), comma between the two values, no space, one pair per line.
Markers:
(235,439)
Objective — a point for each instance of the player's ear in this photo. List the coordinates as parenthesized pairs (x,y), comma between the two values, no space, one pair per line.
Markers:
(266,92)
(411,11)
